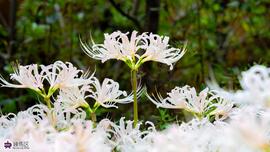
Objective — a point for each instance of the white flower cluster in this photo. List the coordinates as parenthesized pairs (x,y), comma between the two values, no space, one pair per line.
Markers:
(205,104)
(75,87)
(144,47)
(53,130)
(247,130)
(223,121)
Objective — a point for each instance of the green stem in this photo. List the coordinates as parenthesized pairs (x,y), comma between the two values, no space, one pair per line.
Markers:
(48,102)
(135,104)
(94,118)
(90,114)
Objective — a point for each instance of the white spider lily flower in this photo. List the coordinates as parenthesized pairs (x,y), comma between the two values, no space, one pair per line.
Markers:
(73,97)
(108,94)
(129,138)
(159,50)
(59,117)
(175,99)
(27,76)
(185,98)
(223,107)
(197,103)
(64,75)
(136,50)
(116,45)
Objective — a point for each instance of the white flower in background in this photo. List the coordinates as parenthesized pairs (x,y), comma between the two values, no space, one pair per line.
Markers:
(255,88)
(136,50)
(130,139)
(255,83)
(27,76)
(82,138)
(246,132)
(159,50)
(108,94)
(116,45)
(73,97)
(64,75)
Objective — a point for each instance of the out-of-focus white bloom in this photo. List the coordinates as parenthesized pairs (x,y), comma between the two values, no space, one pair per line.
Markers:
(255,88)
(136,50)
(6,124)
(158,50)
(83,138)
(42,135)
(73,97)
(247,132)
(194,136)
(130,139)
(116,46)
(108,94)
(62,117)
(255,83)
(58,117)
(27,76)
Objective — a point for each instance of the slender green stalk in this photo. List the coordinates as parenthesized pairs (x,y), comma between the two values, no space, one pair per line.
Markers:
(90,114)
(94,118)
(48,102)
(134,88)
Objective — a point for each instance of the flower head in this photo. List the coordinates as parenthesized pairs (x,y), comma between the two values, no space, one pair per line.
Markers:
(175,99)
(59,75)
(116,45)
(63,75)
(198,104)
(108,94)
(136,50)
(129,138)
(27,76)
(222,107)
(159,50)
(73,97)
(184,98)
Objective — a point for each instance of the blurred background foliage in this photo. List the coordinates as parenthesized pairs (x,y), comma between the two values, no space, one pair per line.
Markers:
(224,37)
